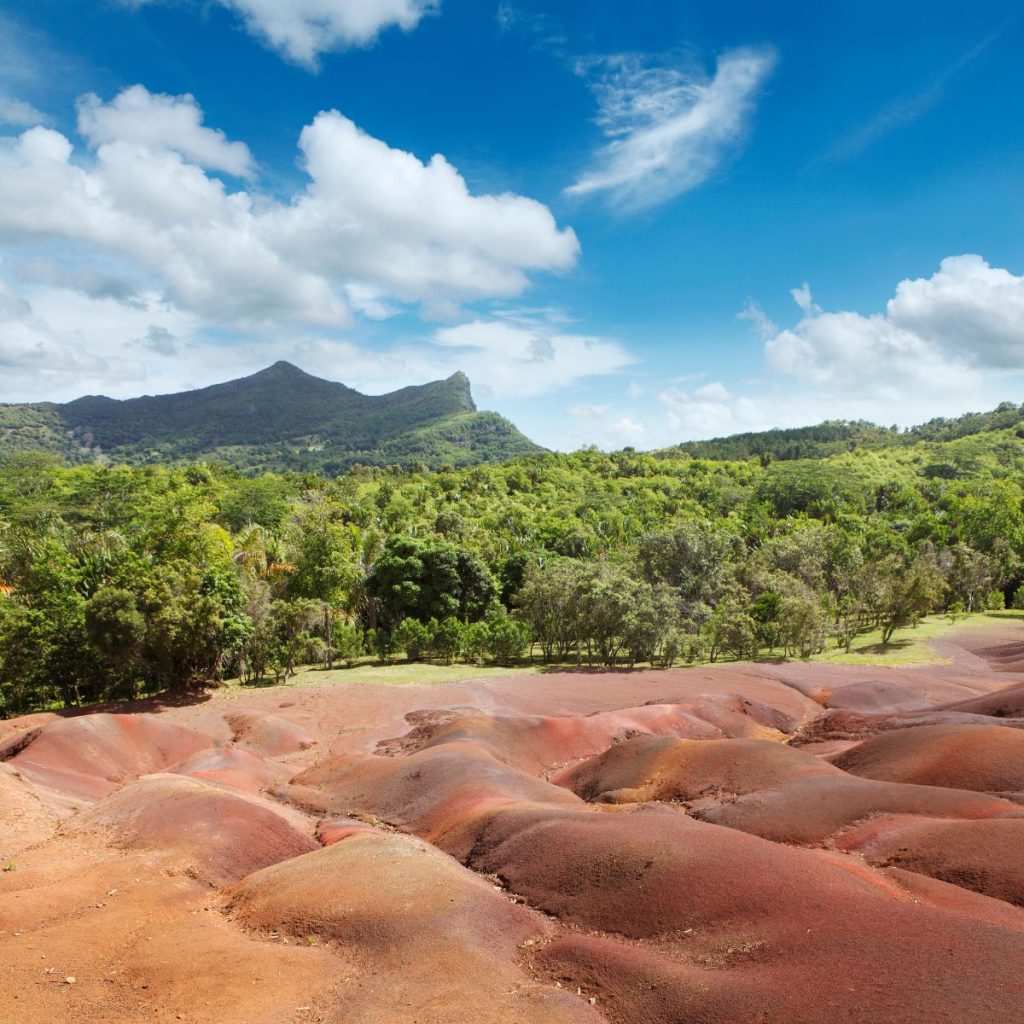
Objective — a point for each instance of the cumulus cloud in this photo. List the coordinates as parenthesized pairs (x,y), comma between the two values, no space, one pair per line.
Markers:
(303,30)
(374,225)
(938,334)
(668,129)
(157,121)
(944,344)
(161,341)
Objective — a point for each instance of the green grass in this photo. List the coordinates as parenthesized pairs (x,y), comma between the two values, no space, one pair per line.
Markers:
(401,673)
(910,646)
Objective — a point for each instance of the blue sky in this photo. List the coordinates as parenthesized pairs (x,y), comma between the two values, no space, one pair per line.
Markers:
(629,223)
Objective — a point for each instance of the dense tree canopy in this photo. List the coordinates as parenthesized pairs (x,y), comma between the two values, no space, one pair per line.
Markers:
(117,581)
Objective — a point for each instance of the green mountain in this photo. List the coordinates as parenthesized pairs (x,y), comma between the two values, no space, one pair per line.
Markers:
(278,419)
(836,436)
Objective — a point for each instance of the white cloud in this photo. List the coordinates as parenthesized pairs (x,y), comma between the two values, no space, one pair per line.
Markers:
(668,130)
(303,30)
(161,341)
(968,310)
(157,121)
(522,359)
(804,298)
(759,319)
(19,113)
(375,226)
(945,345)
(938,336)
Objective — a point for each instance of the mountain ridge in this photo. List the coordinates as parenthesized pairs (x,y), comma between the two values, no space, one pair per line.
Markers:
(279,418)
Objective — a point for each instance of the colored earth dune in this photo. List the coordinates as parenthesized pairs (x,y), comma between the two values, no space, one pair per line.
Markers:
(782,843)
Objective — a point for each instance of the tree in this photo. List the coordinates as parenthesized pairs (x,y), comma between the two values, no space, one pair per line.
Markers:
(731,630)
(908,592)
(326,565)
(413,637)
(417,579)
(508,639)
(446,640)
(117,632)
(802,624)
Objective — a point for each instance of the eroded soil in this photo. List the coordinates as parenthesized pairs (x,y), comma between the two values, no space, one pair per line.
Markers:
(771,843)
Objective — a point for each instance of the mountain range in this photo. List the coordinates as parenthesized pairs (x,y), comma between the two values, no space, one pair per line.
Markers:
(278,419)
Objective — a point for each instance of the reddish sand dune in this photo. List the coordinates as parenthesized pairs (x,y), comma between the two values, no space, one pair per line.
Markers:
(442,941)
(426,792)
(24,818)
(269,735)
(984,758)
(589,846)
(808,811)
(664,768)
(984,856)
(209,833)
(1007,703)
(90,756)
(234,768)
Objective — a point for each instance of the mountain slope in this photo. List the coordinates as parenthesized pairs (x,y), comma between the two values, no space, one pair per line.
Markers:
(836,436)
(278,419)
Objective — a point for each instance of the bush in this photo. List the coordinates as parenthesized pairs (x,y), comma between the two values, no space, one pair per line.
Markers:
(509,639)
(447,639)
(476,639)
(995,602)
(413,637)
(348,643)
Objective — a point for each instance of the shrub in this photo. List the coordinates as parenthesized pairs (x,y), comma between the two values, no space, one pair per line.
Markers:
(413,637)
(447,639)
(508,639)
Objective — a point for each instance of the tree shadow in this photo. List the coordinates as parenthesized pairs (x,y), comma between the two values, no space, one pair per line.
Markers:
(892,645)
(154,704)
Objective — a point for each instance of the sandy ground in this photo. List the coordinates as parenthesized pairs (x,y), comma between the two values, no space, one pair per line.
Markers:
(777,842)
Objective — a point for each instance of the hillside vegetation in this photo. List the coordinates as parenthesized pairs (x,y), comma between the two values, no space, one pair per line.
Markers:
(122,580)
(278,419)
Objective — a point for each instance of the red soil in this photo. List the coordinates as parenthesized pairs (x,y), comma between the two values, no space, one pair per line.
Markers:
(578,846)
(987,758)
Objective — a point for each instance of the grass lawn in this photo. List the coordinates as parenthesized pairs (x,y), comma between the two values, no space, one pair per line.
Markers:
(910,646)
(401,673)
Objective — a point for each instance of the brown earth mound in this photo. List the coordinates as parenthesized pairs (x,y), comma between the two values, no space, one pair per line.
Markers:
(24,819)
(984,856)
(268,735)
(535,743)
(983,758)
(663,768)
(234,768)
(428,792)
(806,812)
(90,756)
(1007,703)
(589,846)
(442,940)
(207,832)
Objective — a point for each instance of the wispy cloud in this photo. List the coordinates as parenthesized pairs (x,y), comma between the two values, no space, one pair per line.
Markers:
(908,108)
(302,31)
(668,129)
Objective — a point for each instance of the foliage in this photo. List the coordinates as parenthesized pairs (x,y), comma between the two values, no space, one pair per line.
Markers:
(116,581)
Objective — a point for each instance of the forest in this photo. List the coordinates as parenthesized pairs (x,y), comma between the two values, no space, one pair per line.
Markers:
(120,581)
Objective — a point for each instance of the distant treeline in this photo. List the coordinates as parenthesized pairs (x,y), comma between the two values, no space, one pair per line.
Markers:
(118,581)
(835,436)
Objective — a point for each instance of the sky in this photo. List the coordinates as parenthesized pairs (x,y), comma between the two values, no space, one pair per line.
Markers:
(631,224)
